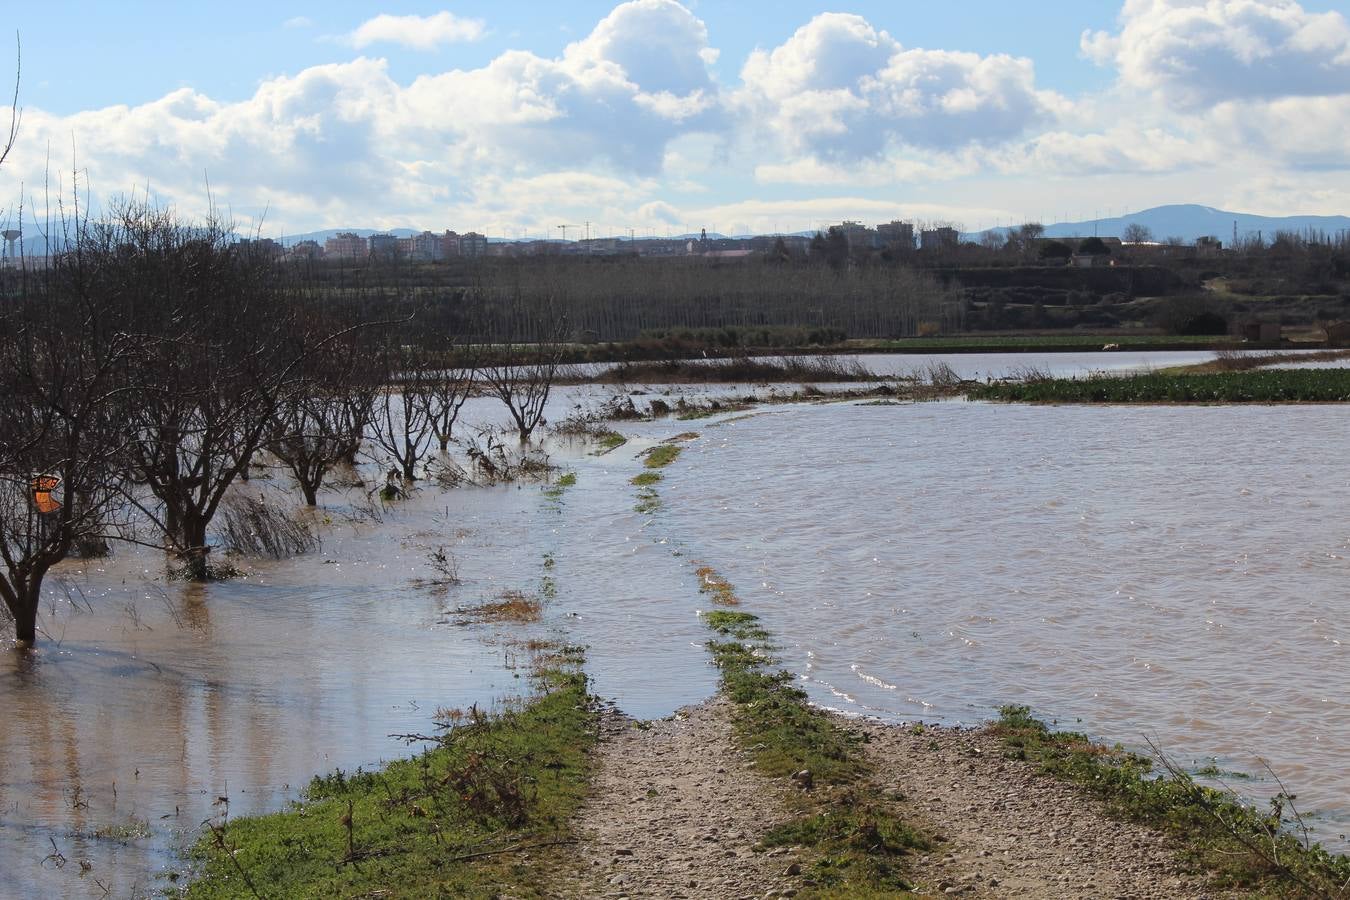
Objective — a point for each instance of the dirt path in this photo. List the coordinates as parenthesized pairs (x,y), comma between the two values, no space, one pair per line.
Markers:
(675,813)
(1013,833)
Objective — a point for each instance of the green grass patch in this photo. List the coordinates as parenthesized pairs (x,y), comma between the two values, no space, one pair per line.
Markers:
(645,479)
(855,837)
(662,455)
(555,491)
(448,822)
(610,440)
(860,847)
(1244,847)
(1257,386)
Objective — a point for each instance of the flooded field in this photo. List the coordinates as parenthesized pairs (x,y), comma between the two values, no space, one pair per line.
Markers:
(1165,573)
(1176,573)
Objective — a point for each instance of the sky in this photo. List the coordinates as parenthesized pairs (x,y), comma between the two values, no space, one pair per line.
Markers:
(665,117)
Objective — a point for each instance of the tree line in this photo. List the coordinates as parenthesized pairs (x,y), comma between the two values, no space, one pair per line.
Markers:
(145,367)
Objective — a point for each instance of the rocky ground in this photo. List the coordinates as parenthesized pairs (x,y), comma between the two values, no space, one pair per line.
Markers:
(1011,832)
(677,811)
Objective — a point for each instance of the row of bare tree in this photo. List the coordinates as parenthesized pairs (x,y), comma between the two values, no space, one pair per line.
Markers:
(143,369)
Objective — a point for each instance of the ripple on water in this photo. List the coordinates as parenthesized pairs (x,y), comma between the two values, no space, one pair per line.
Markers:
(1168,571)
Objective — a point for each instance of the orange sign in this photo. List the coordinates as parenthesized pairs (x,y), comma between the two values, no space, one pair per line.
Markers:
(43,485)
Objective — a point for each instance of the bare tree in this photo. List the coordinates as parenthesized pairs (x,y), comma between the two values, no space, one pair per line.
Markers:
(319,424)
(1135,233)
(522,375)
(445,393)
(62,357)
(401,426)
(220,347)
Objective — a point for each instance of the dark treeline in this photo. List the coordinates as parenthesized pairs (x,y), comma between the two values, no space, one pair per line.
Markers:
(620,299)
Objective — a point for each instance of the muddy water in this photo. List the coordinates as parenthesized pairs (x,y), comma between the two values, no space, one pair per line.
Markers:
(151,700)
(1179,574)
(1175,570)
(152,706)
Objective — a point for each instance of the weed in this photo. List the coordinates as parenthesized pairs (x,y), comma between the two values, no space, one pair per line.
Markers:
(718,587)
(610,440)
(445,565)
(857,840)
(645,479)
(555,491)
(254,527)
(124,832)
(508,606)
(661,456)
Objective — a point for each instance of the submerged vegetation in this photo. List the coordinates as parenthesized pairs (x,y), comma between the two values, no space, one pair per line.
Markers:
(855,838)
(661,456)
(1256,386)
(1241,846)
(475,815)
(716,586)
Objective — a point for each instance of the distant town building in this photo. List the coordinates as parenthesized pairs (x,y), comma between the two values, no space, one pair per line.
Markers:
(899,235)
(346,245)
(384,246)
(262,246)
(859,236)
(939,240)
(426,247)
(307,250)
(473,245)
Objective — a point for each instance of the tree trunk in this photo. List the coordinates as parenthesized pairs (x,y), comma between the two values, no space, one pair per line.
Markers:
(193,531)
(25,617)
(310,492)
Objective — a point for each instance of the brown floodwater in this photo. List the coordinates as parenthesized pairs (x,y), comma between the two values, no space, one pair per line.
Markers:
(1178,573)
(1175,574)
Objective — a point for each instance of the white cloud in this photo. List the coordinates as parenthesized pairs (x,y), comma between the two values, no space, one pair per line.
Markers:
(1195,53)
(628,124)
(840,89)
(417,32)
(298,22)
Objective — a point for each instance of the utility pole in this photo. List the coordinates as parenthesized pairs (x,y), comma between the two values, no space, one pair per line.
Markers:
(564,232)
(588,238)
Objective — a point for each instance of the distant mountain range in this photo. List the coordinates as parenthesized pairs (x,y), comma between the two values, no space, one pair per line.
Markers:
(1186,221)
(1189,221)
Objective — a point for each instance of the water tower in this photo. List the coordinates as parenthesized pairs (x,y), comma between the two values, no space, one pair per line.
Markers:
(10,236)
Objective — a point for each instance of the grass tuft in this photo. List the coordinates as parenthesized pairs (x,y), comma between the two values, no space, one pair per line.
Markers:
(717,587)
(508,606)
(856,839)
(662,455)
